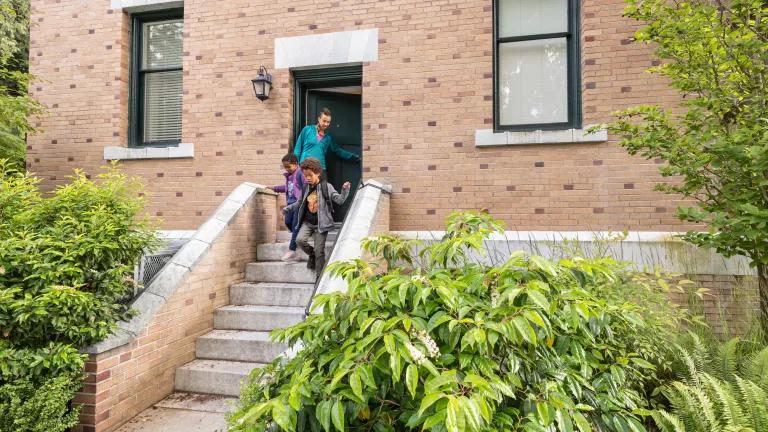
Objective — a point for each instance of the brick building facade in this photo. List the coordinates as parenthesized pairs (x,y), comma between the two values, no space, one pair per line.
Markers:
(427,109)
(432,123)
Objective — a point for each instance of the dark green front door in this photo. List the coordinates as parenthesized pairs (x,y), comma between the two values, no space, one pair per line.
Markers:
(346,129)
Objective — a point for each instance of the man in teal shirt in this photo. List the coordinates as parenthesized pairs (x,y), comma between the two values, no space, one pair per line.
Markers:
(314,141)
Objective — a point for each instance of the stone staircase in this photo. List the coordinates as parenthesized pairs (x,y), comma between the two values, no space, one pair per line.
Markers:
(274,295)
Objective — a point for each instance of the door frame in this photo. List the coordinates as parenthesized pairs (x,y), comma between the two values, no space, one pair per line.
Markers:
(307,79)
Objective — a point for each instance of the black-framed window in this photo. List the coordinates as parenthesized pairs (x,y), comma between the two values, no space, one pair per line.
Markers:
(156,78)
(536,65)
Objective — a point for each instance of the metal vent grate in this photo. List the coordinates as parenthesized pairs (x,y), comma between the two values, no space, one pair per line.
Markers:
(150,265)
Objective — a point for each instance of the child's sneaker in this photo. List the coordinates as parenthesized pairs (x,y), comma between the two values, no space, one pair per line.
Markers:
(290,256)
(311,262)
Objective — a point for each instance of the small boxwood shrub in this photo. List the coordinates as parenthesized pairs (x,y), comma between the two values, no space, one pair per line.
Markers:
(436,341)
(28,406)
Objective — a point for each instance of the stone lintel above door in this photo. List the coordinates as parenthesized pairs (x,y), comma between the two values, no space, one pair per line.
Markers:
(327,49)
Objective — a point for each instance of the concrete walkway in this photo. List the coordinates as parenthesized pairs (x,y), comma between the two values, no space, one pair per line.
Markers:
(186,412)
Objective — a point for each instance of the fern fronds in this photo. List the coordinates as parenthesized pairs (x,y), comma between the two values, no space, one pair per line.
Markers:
(756,369)
(667,422)
(690,371)
(727,403)
(693,407)
(726,365)
(709,412)
(714,406)
(701,352)
(755,399)
(722,387)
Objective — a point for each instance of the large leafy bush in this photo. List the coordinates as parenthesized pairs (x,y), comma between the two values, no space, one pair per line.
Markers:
(438,341)
(66,261)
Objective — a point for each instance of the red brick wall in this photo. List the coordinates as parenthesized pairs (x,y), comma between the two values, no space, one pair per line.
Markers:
(124,381)
(423,100)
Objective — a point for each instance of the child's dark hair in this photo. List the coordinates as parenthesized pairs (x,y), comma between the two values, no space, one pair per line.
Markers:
(290,158)
(313,165)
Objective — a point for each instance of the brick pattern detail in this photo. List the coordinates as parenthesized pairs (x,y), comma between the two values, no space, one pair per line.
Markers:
(426,104)
(731,305)
(122,382)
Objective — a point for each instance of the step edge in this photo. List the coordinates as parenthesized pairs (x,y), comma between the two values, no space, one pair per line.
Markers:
(210,335)
(190,366)
(297,285)
(271,309)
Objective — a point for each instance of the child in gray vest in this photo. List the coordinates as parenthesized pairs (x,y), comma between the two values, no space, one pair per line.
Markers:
(315,212)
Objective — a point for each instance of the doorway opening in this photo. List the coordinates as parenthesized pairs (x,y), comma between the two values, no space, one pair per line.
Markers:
(340,90)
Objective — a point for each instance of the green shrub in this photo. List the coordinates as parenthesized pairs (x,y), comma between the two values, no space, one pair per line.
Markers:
(722,387)
(31,407)
(66,260)
(38,363)
(18,109)
(454,345)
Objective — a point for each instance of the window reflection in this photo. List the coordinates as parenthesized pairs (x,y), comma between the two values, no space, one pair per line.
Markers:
(533,81)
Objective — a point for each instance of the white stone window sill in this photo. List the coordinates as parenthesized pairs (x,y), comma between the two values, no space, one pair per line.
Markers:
(489,138)
(145,5)
(169,152)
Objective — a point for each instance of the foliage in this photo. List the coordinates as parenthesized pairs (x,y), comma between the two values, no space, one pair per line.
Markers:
(38,363)
(14,34)
(389,247)
(29,407)
(65,266)
(16,106)
(723,387)
(455,345)
(716,55)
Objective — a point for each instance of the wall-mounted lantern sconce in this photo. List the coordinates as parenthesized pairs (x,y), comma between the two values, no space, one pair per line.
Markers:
(262,84)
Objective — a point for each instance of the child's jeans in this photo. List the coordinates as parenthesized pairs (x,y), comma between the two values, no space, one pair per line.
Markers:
(290,223)
(305,233)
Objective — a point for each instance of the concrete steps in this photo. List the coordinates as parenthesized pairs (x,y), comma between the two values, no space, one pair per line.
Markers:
(275,251)
(285,236)
(256,318)
(274,295)
(238,345)
(277,271)
(270,293)
(213,376)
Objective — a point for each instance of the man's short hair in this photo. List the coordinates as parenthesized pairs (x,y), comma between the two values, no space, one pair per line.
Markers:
(313,165)
(324,111)
(290,158)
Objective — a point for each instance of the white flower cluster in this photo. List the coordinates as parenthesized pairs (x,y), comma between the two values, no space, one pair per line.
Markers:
(417,356)
(428,342)
(494,297)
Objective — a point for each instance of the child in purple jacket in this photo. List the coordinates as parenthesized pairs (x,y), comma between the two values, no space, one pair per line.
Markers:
(294,183)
